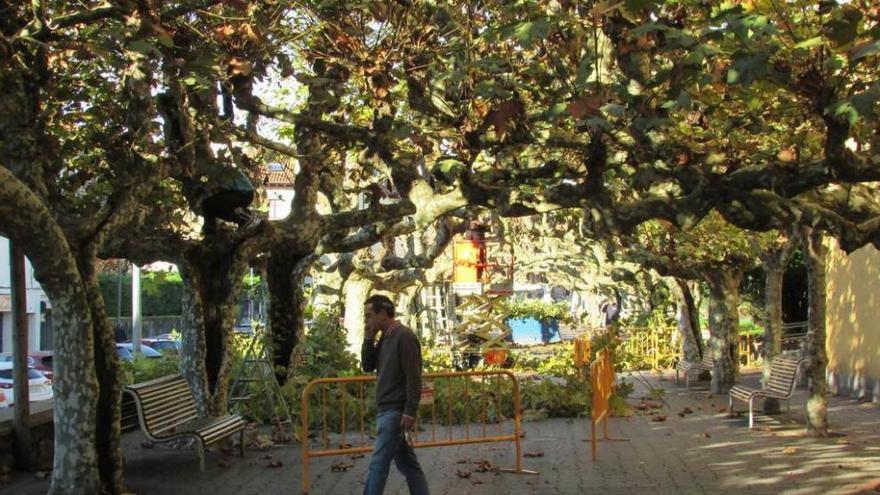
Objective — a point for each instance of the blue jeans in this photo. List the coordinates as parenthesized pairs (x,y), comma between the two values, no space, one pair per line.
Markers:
(391,445)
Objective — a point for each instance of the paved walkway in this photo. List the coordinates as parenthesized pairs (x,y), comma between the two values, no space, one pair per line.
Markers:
(694,453)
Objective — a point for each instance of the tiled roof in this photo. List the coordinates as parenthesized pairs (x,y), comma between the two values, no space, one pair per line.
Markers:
(278,175)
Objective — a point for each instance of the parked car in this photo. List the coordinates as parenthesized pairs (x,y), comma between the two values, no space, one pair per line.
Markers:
(40,386)
(39,360)
(162,345)
(42,362)
(126,353)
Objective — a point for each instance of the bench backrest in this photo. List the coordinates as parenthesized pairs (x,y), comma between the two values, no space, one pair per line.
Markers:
(783,372)
(165,403)
(707,359)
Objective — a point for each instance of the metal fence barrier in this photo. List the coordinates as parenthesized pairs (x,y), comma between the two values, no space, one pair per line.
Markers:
(602,383)
(327,393)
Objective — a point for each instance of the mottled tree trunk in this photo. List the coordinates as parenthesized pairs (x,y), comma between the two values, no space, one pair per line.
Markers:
(29,224)
(356,291)
(817,404)
(689,324)
(285,278)
(108,373)
(724,327)
(213,278)
(192,341)
(773,275)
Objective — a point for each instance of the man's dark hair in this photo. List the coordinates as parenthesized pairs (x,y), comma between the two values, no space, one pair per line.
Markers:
(381,303)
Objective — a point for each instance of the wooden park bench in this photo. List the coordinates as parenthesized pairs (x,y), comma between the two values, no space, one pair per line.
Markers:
(687,367)
(780,384)
(166,411)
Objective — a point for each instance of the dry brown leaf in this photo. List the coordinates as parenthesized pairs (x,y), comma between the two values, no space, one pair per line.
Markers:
(534,454)
(787,155)
(789,450)
(659,418)
(585,105)
(503,115)
(341,467)
(462,474)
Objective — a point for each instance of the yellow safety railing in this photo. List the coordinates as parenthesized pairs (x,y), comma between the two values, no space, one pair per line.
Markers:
(474,383)
(647,347)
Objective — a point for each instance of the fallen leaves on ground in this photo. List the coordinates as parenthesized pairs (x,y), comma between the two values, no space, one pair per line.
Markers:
(462,474)
(341,467)
(275,464)
(659,418)
(534,454)
(356,456)
(483,466)
(706,434)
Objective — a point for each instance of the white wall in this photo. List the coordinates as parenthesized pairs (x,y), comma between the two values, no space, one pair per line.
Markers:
(280,201)
(34,296)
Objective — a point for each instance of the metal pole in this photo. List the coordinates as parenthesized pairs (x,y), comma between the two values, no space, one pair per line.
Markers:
(21,421)
(137,324)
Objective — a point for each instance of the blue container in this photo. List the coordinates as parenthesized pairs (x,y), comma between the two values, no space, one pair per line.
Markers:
(527,331)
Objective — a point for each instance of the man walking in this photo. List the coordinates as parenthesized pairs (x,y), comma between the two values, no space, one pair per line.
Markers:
(397,358)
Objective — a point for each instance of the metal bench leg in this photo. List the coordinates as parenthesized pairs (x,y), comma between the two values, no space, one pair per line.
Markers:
(241,443)
(200,448)
(751,412)
(676,376)
(730,406)
(687,380)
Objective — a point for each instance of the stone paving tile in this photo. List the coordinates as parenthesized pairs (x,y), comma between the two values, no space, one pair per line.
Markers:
(699,453)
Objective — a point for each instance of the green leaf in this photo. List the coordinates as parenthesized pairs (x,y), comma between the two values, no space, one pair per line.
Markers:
(530,31)
(865,102)
(746,69)
(613,109)
(865,50)
(647,28)
(810,43)
(844,28)
(641,4)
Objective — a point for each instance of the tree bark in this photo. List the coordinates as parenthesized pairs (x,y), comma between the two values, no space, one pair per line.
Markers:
(689,324)
(285,276)
(109,412)
(29,223)
(356,291)
(817,404)
(724,326)
(773,275)
(213,274)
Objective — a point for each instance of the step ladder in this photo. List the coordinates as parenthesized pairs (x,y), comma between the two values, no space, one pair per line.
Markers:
(437,311)
(256,371)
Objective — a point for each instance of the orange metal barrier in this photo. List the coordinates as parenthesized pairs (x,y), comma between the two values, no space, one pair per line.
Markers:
(602,381)
(476,380)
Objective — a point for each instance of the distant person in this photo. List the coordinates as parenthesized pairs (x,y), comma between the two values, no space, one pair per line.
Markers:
(397,358)
(610,312)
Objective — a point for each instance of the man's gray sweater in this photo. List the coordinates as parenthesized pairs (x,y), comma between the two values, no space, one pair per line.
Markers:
(397,357)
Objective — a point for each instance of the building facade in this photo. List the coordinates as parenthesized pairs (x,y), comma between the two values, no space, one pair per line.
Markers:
(853,322)
(38,316)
